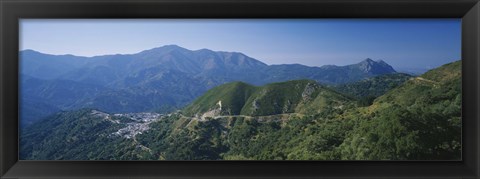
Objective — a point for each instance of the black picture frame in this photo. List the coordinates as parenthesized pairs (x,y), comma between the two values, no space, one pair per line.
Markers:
(12,10)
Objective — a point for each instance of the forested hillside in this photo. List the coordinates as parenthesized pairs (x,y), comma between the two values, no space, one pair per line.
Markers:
(368,89)
(416,118)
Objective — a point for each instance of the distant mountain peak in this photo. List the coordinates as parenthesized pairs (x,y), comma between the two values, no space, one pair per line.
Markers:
(382,62)
(165,48)
(204,50)
(33,52)
(368,60)
(375,67)
(172,45)
(29,51)
(169,46)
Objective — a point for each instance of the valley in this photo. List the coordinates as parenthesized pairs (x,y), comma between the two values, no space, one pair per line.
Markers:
(209,108)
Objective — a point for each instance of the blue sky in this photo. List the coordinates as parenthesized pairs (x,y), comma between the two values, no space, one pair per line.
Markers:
(403,43)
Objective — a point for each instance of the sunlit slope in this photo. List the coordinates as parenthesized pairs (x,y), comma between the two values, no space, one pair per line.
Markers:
(296,96)
(293,120)
(420,119)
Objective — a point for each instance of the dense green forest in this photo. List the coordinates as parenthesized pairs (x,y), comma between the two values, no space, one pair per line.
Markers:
(365,91)
(392,117)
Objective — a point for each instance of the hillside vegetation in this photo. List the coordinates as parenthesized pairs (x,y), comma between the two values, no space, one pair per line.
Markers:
(296,96)
(368,89)
(419,119)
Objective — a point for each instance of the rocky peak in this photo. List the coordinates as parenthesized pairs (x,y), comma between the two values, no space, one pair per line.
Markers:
(375,67)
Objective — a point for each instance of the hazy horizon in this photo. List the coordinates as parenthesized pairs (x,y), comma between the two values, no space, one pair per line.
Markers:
(359,60)
(402,43)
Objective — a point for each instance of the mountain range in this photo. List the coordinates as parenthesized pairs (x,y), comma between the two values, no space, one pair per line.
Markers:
(412,118)
(160,79)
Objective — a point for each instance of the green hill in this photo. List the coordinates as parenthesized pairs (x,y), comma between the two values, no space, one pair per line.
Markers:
(421,119)
(238,98)
(232,96)
(84,134)
(438,84)
(373,87)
